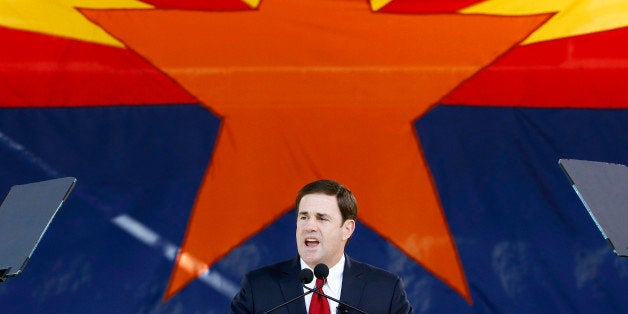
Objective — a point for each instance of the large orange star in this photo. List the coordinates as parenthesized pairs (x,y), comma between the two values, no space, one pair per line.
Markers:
(317,89)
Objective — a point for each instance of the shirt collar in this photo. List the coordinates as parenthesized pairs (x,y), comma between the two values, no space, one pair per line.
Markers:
(334,279)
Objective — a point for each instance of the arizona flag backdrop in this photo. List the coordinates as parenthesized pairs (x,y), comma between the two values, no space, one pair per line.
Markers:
(191,125)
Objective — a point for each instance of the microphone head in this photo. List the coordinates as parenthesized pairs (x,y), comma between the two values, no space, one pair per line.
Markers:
(306,276)
(321,271)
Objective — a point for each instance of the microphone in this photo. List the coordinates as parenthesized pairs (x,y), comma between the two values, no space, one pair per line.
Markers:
(321,271)
(305,276)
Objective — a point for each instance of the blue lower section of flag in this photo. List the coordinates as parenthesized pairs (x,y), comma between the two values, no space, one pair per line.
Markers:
(526,243)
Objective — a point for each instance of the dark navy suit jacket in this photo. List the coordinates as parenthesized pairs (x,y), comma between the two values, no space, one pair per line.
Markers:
(365,287)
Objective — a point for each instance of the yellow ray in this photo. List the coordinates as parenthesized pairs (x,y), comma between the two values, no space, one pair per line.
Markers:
(61,17)
(252,3)
(378,4)
(573,17)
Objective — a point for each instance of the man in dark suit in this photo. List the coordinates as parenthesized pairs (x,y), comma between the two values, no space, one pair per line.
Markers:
(326,215)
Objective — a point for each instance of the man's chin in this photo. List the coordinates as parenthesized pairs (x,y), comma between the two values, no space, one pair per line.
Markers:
(310,259)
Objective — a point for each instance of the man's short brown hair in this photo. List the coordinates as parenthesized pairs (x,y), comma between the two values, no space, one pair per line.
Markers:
(346,201)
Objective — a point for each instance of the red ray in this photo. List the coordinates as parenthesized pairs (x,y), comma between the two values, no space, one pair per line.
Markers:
(39,70)
(587,71)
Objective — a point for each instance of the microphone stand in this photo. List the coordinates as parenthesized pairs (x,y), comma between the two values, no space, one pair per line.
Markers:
(315,290)
(295,298)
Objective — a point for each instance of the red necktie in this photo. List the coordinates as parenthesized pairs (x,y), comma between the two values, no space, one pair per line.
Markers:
(319,304)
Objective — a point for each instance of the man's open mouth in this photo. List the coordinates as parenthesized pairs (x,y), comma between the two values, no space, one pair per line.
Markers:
(311,242)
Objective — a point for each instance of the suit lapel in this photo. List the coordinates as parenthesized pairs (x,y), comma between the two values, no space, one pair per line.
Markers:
(290,286)
(352,283)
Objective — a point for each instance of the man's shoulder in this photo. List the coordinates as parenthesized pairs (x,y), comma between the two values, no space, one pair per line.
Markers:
(358,268)
(275,269)
(379,290)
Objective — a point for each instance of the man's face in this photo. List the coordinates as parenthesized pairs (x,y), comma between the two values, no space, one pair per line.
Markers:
(321,234)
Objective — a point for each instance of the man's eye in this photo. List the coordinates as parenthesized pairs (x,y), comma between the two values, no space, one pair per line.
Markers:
(302,217)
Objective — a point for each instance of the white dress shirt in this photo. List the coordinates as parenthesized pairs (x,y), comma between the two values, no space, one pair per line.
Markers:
(332,288)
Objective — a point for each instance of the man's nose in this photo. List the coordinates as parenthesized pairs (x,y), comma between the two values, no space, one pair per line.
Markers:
(311,225)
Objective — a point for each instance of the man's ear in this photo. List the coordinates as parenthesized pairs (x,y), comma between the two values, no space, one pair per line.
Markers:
(347,228)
